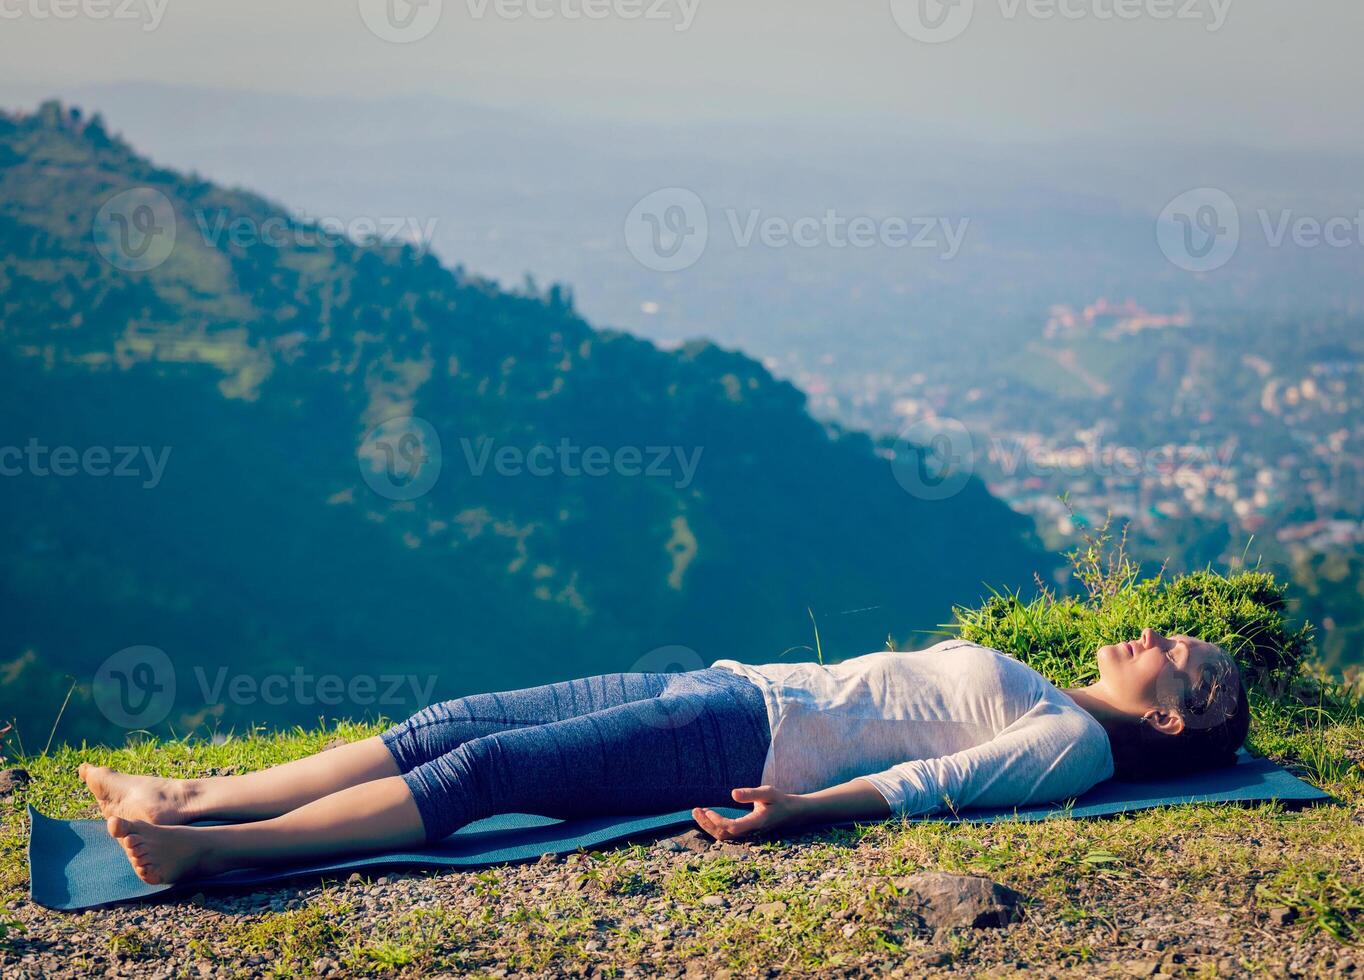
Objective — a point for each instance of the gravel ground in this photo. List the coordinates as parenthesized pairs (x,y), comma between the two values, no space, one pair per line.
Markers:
(683,907)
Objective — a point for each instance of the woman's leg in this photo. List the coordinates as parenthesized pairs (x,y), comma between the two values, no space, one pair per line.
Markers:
(252,796)
(428,734)
(376,815)
(704,735)
(442,728)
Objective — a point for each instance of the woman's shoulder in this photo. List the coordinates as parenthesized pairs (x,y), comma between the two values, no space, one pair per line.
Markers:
(964,651)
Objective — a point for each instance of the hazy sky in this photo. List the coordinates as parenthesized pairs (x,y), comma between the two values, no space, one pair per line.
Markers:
(1280,73)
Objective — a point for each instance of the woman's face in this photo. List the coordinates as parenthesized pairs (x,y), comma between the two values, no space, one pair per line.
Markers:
(1157,672)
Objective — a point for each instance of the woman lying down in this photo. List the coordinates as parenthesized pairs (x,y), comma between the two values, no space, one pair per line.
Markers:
(954,726)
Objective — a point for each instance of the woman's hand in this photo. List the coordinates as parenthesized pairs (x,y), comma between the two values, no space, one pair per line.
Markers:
(856,799)
(771,809)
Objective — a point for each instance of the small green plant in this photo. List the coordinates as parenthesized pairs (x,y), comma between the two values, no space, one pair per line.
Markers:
(693,881)
(1244,613)
(9,927)
(1321,898)
(129,944)
(6,733)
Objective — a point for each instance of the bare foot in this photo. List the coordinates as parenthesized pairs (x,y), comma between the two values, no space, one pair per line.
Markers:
(163,855)
(146,798)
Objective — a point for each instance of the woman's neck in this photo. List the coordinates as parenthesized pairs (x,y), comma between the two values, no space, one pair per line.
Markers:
(1094,699)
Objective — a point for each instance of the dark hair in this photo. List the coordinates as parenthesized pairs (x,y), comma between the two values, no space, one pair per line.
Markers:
(1141,753)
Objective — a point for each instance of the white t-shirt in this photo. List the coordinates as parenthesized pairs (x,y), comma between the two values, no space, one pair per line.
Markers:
(957,725)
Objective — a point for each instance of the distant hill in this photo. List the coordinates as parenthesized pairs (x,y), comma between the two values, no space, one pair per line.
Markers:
(257,526)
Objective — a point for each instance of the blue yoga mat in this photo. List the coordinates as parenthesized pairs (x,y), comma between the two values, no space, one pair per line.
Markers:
(75,864)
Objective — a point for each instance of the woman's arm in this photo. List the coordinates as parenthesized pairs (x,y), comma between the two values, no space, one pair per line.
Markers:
(774,809)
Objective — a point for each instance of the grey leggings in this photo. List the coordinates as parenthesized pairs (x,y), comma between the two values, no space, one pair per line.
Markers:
(614,744)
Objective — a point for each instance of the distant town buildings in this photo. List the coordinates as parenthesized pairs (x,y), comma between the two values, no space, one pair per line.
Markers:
(1280,455)
(1109,319)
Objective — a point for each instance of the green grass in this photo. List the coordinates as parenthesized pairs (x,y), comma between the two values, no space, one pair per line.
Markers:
(836,916)
(57,790)
(840,907)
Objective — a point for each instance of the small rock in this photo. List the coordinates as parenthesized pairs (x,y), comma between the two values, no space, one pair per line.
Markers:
(13,781)
(949,901)
(670,845)
(1282,915)
(769,908)
(355,879)
(714,901)
(1141,968)
(694,841)
(548,858)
